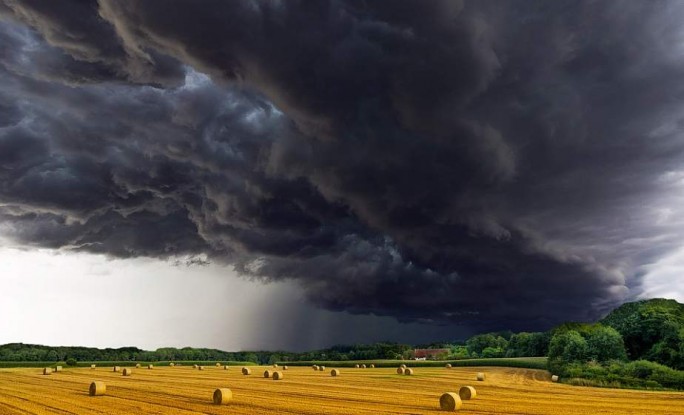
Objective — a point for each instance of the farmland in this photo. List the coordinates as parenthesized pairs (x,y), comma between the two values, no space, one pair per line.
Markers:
(184,390)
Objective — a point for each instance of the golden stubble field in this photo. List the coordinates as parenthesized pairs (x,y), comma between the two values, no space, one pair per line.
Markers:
(184,390)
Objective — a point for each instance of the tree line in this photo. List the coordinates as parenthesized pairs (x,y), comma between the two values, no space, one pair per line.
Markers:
(638,344)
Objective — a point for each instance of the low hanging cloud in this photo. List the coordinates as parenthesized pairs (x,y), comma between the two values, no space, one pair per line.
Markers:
(497,165)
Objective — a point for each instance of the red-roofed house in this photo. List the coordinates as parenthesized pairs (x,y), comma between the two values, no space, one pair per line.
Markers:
(428,353)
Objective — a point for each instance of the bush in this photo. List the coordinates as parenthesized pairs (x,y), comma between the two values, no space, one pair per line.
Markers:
(640,369)
(71,362)
(639,374)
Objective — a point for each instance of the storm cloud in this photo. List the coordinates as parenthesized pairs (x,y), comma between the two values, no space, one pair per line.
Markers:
(492,164)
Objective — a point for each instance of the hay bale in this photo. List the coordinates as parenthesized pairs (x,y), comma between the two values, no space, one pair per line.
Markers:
(284,367)
(268,374)
(315,367)
(275,365)
(448,366)
(334,373)
(277,375)
(554,378)
(408,371)
(321,368)
(172,364)
(194,366)
(403,366)
(58,368)
(400,370)
(137,365)
(47,371)
(357,366)
(363,366)
(467,392)
(150,367)
(218,364)
(450,401)
(92,366)
(480,376)
(200,367)
(246,371)
(116,369)
(222,396)
(97,388)
(225,367)
(127,371)
(372,366)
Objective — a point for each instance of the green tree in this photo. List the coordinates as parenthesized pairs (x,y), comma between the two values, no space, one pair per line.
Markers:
(604,344)
(565,348)
(492,352)
(477,344)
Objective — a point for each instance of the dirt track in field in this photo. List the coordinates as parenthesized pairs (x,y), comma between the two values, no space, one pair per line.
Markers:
(184,390)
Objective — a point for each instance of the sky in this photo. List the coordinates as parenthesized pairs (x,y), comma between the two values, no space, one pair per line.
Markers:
(292,175)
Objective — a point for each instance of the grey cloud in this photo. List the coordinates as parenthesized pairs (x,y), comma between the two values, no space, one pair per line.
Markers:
(496,165)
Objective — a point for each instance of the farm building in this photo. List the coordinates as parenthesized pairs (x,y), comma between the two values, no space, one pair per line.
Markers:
(422,354)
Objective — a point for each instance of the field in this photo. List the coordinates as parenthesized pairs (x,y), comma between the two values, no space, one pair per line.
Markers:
(525,362)
(184,390)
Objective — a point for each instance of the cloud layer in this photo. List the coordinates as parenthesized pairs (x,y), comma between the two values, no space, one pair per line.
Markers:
(497,165)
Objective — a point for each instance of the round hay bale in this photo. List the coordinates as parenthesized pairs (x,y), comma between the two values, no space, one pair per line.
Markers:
(480,376)
(450,401)
(315,368)
(321,368)
(408,371)
(448,366)
(116,368)
(403,366)
(137,365)
(194,366)
(277,375)
(225,367)
(200,367)
(222,396)
(172,364)
(92,366)
(150,367)
(334,373)
(554,378)
(400,370)
(357,366)
(97,388)
(246,371)
(218,364)
(47,371)
(127,371)
(363,366)
(275,365)
(372,366)
(268,374)
(467,392)
(284,367)
(58,368)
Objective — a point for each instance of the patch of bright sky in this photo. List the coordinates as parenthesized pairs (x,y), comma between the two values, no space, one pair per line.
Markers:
(55,298)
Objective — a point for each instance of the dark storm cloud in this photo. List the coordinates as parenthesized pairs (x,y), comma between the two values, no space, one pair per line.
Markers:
(500,165)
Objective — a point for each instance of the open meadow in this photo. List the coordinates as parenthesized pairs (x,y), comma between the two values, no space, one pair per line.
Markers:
(185,390)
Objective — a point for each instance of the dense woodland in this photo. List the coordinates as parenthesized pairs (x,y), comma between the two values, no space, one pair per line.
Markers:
(639,344)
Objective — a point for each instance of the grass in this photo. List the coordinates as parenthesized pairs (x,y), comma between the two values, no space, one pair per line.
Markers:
(105,363)
(521,362)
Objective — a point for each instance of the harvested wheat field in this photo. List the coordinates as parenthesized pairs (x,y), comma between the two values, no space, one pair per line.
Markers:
(182,390)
